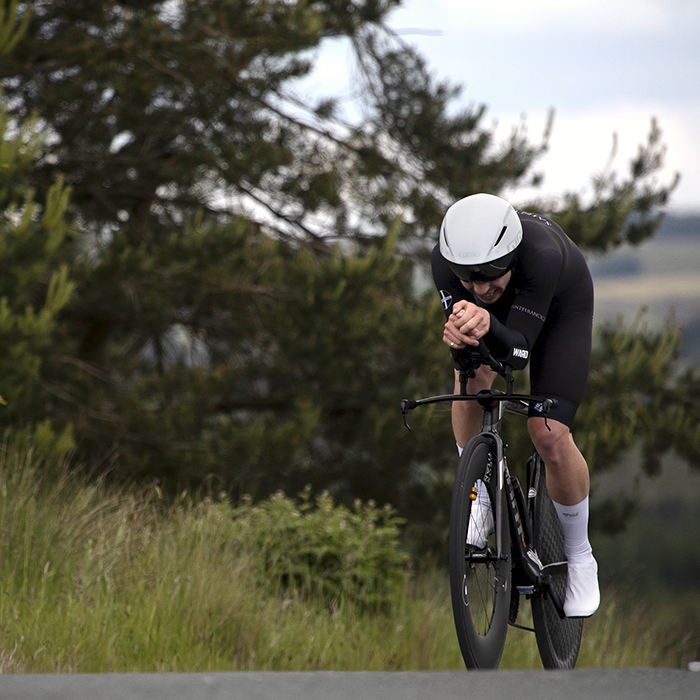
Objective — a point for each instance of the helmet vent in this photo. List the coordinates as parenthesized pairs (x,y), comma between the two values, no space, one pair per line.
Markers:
(500,235)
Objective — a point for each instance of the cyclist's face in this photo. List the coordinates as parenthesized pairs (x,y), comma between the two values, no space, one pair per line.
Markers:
(489,292)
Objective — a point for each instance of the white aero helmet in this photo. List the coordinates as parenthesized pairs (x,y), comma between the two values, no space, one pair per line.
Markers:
(479,237)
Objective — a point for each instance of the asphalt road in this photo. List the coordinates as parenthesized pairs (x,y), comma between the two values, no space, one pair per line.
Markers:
(581,684)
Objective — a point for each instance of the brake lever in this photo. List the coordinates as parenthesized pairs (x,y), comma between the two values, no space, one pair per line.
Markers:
(547,406)
(406,406)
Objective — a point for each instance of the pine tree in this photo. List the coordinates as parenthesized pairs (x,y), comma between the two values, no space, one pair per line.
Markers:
(35,285)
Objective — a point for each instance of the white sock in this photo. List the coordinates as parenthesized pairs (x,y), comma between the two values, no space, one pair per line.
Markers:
(574,524)
(459,449)
(482,495)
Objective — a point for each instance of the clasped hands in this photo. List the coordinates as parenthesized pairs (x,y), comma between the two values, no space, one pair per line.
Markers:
(466,325)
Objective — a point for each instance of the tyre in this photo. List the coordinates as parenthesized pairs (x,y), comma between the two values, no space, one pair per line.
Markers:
(558,640)
(479,579)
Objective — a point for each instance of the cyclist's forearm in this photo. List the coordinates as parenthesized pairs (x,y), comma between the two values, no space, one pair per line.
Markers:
(507,344)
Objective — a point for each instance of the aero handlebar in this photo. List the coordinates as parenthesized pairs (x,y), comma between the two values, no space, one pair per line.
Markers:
(467,361)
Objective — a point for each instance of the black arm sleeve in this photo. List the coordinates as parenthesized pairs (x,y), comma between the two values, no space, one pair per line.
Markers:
(537,280)
(514,328)
(507,344)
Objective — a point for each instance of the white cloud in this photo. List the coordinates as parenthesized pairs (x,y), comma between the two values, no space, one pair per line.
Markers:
(603,66)
(581,144)
(509,16)
(579,15)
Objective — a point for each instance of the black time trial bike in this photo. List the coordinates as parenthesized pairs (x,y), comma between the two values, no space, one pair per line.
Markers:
(504,543)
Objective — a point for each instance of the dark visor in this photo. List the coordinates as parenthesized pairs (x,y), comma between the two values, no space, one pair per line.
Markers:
(484,272)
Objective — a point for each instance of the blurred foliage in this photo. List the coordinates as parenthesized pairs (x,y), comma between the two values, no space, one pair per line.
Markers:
(627,210)
(226,277)
(36,284)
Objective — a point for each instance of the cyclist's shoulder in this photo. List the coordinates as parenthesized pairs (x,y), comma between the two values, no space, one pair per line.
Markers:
(542,252)
(541,231)
(545,245)
(533,219)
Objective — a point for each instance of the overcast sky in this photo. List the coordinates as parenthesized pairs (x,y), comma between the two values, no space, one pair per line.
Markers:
(604,66)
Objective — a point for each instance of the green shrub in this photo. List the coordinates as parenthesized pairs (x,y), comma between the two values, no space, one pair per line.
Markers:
(323,548)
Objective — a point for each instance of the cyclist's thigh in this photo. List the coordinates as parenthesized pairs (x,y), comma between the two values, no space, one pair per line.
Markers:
(561,360)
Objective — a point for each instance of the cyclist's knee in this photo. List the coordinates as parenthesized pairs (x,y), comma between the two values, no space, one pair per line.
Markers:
(551,439)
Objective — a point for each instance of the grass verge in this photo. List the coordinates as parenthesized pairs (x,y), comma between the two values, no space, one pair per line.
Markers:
(100,579)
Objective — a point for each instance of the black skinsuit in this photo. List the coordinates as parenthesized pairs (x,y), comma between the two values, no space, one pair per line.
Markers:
(545,314)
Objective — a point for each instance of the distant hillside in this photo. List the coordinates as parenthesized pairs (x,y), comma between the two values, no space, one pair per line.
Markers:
(662,274)
(675,226)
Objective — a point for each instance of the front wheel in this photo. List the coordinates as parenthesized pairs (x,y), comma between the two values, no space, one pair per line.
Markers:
(479,576)
(558,640)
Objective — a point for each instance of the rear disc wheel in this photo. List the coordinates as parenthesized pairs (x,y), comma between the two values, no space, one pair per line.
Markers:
(558,640)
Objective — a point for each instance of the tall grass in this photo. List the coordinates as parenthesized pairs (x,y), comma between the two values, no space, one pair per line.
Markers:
(102,579)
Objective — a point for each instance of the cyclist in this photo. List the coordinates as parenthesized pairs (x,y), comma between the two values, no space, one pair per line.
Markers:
(515,280)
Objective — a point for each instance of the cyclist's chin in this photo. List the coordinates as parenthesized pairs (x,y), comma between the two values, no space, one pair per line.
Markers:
(491,297)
